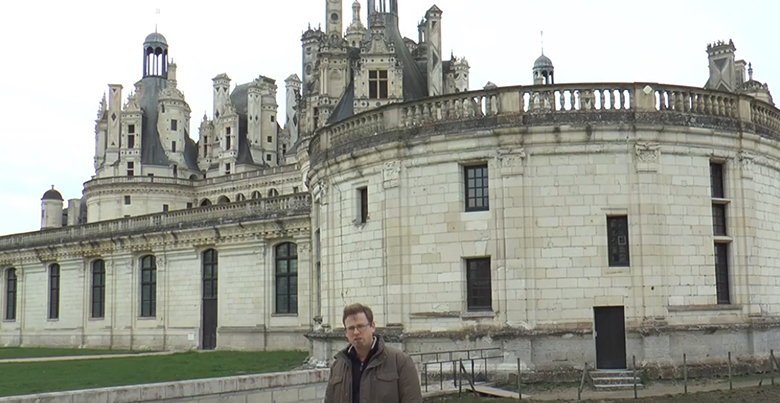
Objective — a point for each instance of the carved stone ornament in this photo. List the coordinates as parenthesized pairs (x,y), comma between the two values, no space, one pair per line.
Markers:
(746,163)
(321,189)
(510,158)
(647,152)
(391,171)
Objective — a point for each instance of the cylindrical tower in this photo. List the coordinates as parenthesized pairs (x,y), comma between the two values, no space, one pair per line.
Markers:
(51,209)
(155,55)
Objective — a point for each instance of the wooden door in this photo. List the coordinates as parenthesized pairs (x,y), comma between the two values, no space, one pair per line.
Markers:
(610,337)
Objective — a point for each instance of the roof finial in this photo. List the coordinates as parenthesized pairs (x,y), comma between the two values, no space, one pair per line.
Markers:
(750,71)
(541,35)
(52,187)
(157,19)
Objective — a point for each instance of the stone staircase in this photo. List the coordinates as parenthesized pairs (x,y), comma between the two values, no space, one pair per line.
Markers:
(614,379)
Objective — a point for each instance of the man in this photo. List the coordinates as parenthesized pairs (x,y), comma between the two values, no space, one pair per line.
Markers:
(368,371)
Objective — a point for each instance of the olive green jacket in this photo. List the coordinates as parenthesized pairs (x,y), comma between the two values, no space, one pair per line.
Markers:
(390,377)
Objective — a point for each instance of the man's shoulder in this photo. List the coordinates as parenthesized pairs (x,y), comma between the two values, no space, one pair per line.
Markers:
(395,352)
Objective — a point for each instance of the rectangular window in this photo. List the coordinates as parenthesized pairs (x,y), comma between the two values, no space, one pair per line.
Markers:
(363,206)
(98,289)
(476,186)
(189,204)
(286,262)
(227,131)
(272,118)
(175,171)
(268,157)
(716,180)
(227,142)
(130,141)
(173,146)
(377,84)
(617,238)
(165,208)
(722,273)
(54,291)
(270,139)
(130,169)
(148,286)
(127,200)
(10,294)
(478,289)
(719,219)
(131,129)
(227,169)
(174,125)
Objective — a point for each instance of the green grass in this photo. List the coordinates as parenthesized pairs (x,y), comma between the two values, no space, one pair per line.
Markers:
(36,352)
(40,377)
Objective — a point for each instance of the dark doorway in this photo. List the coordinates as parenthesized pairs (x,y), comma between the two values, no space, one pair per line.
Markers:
(209,337)
(610,337)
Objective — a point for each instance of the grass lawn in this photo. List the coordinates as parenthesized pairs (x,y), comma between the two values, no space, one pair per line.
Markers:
(39,377)
(36,352)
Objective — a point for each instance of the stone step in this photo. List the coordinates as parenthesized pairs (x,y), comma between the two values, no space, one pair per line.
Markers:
(615,379)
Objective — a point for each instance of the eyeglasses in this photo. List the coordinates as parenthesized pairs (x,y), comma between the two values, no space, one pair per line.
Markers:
(359,328)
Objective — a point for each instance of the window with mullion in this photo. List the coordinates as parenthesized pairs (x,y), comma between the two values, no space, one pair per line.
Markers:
(716,180)
(148,286)
(54,291)
(476,186)
(286,267)
(617,236)
(719,219)
(478,287)
(210,274)
(98,288)
(722,273)
(10,294)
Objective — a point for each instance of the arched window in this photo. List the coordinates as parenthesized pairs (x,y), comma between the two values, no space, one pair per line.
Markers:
(273,193)
(54,291)
(223,200)
(98,288)
(148,286)
(240,197)
(286,264)
(10,294)
(205,202)
(255,195)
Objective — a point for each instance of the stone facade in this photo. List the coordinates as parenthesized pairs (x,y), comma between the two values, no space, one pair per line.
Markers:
(563,223)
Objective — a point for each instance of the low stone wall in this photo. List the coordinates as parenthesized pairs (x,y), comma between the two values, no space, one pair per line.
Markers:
(282,387)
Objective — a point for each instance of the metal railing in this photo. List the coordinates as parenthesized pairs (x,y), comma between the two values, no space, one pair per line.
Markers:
(456,359)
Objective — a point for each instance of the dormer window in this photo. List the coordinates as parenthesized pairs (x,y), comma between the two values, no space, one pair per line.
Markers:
(377,84)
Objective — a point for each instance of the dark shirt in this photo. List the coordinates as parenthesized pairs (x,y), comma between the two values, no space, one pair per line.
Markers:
(358,367)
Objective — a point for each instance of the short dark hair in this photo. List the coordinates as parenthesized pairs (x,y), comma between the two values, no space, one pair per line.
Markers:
(355,309)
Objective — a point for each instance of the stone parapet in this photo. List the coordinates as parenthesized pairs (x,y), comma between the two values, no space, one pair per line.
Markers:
(253,210)
(596,104)
(282,387)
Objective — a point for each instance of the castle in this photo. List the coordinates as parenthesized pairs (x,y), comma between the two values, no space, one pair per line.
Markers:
(565,223)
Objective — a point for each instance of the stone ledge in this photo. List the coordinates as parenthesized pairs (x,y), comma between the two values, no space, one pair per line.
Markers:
(690,308)
(192,390)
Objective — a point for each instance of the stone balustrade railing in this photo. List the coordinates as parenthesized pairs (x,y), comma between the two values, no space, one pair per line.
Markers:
(137,180)
(601,98)
(187,182)
(299,203)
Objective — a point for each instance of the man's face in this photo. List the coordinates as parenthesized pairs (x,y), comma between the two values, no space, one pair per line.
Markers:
(360,332)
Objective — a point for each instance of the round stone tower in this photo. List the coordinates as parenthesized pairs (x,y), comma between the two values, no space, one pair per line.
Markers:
(51,209)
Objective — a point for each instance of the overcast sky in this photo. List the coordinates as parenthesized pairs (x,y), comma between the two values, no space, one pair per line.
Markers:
(59,57)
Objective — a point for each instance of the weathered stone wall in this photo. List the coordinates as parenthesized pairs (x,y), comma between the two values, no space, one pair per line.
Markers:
(283,387)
